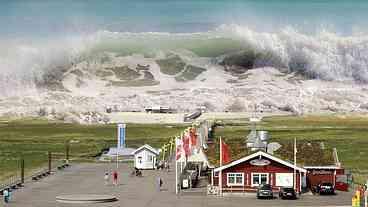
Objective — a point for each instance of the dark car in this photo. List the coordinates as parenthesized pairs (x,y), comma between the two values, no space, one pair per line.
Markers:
(326,189)
(264,191)
(287,193)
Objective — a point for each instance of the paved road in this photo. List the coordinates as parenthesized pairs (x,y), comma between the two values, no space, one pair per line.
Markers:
(140,192)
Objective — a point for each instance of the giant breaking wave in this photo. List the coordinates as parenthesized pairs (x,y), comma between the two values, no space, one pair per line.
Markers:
(32,68)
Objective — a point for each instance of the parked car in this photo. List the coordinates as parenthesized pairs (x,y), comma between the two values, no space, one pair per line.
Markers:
(287,193)
(325,189)
(264,191)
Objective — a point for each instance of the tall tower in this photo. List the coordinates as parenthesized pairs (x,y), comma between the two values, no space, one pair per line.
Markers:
(121,136)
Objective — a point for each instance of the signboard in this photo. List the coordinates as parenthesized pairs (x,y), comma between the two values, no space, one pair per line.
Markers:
(212,190)
(260,162)
(284,179)
(322,172)
(185,183)
(121,135)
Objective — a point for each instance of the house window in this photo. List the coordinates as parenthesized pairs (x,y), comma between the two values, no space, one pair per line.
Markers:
(235,179)
(259,178)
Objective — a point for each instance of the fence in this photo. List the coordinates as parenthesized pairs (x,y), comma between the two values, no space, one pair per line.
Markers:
(23,174)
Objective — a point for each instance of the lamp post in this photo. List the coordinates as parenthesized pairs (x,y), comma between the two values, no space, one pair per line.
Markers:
(366,195)
(67,149)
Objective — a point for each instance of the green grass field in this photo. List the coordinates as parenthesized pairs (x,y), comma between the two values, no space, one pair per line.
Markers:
(32,139)
(348,134)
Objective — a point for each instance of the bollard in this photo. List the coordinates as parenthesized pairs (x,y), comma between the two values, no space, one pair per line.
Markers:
(357,198)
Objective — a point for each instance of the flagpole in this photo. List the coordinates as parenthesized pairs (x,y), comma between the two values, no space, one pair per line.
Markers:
(295,164)
(176,168)
(220,173)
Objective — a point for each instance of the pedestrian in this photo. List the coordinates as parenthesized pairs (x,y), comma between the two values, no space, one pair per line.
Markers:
(106,178)
(168,167)
(6,195)
(159,165)
(115,177)
(159,184)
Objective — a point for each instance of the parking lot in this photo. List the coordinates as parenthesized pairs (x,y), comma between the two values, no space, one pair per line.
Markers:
(87,178)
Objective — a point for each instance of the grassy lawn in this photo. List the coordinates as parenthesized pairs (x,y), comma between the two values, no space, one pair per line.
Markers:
(348,134)
(33,138)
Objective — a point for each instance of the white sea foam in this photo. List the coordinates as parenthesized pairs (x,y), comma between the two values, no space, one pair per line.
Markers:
(324,55)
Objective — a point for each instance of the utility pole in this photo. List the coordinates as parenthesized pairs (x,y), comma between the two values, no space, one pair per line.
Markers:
(295,150)
(67,149)
(22,170)
(163,150)
(171,146)
(220,173)
(366,195)
(49,159)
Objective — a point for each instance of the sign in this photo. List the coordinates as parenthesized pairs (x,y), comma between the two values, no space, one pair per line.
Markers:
(284,179)
(121,135)
(321,172)
(185,183)
(260,162)
(212,190)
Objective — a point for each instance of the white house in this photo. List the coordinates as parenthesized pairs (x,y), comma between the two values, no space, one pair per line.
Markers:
(145,157)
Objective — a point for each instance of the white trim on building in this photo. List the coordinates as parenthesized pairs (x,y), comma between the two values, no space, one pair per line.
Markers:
(260,154)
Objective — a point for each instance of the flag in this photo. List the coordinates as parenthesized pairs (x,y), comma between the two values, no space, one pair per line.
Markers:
(179,149)
(193,137)
(225,153)
(186,143)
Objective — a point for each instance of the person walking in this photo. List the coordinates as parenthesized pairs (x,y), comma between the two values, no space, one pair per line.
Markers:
(115,177)
(6,195)
(106,178)
(165,165)
(159,184)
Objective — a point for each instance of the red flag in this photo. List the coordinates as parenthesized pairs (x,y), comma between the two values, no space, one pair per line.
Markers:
(193,138)
(226,154)
(186,140)
(179,148)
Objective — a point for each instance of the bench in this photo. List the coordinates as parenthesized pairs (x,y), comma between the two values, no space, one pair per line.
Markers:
(40,175)
(63,166)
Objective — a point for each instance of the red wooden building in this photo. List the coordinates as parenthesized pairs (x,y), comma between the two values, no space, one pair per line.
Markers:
(332,174)
(247,173)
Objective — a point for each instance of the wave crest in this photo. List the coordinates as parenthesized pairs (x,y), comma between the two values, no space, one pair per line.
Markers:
(325,55)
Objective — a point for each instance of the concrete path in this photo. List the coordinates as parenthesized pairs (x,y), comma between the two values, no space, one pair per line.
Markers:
(140,191)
